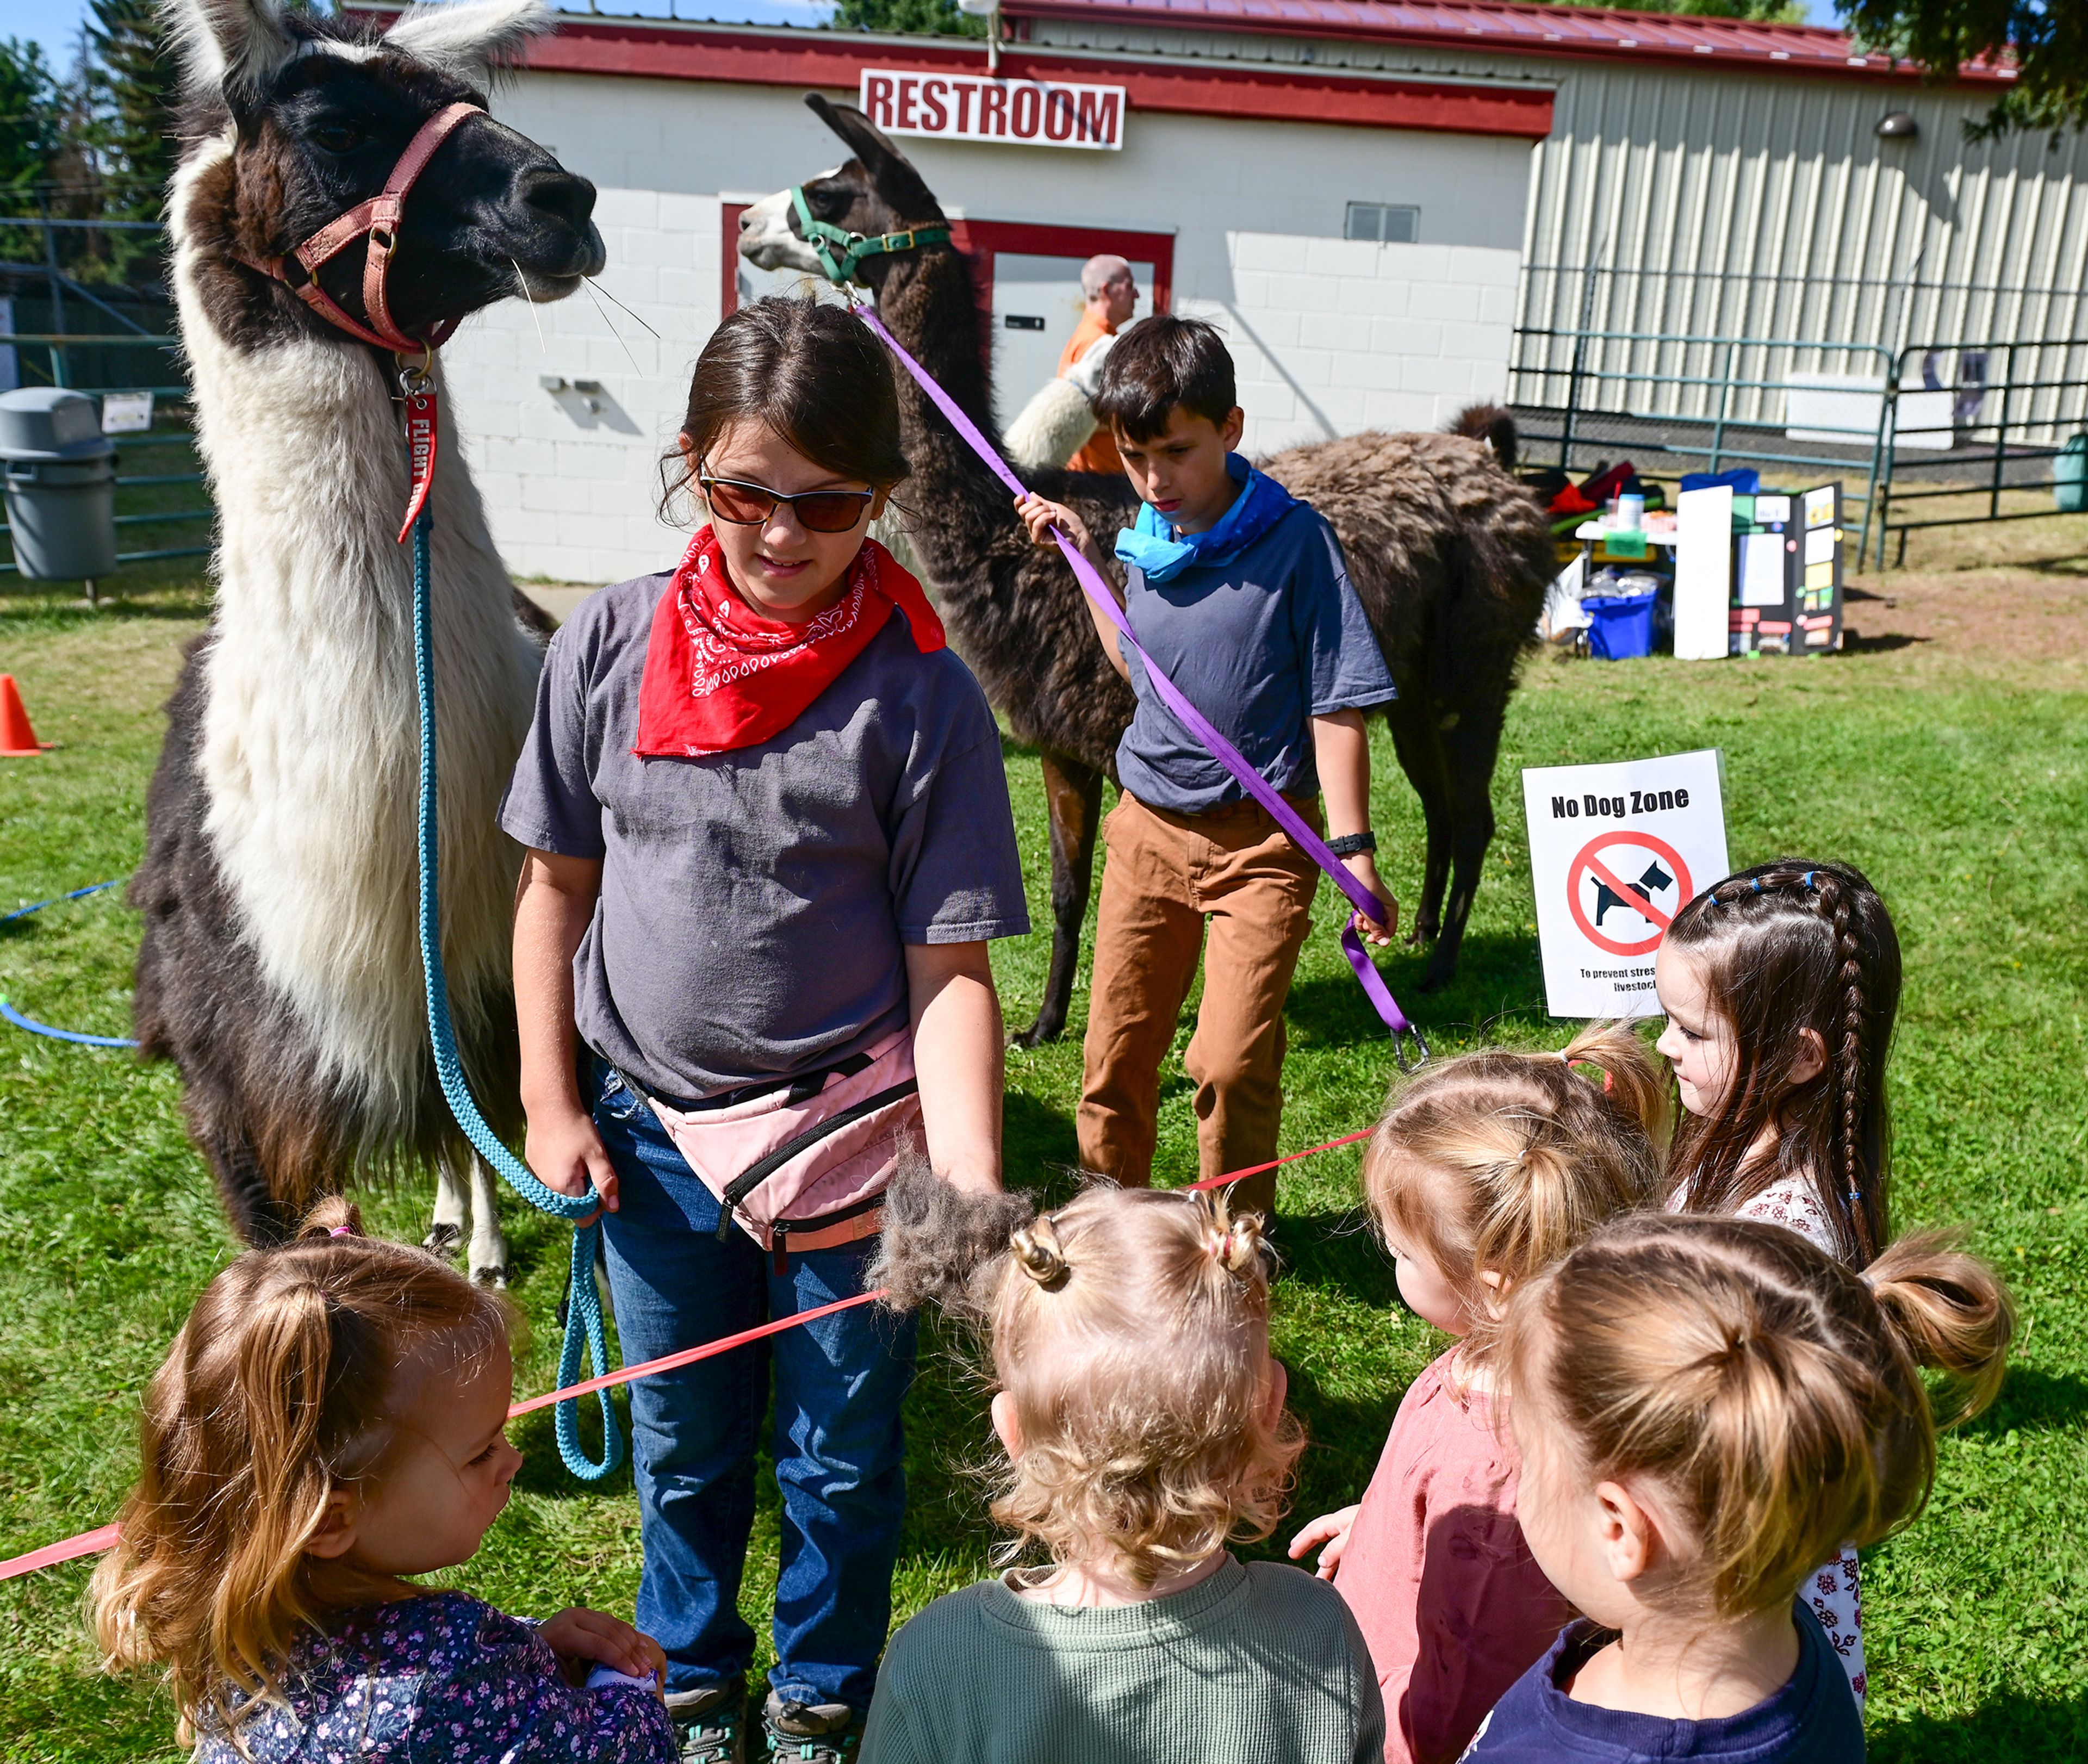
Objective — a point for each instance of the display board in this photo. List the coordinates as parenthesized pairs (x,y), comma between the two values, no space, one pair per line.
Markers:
(1786,581)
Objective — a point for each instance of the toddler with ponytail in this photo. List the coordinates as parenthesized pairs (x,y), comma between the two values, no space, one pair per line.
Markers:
(1484,1171)
(330,1418)
(1144,1424)
(1780,986)
(1705,1407)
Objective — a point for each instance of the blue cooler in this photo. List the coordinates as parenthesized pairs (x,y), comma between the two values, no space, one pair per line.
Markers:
(1622,625)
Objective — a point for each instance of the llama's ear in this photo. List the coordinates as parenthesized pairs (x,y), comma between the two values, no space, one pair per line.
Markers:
(467,37)
(891,173)
(229,46)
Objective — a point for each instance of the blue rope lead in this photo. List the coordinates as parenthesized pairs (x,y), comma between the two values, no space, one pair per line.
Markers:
(584,1324)
(35,1028)
(37,906)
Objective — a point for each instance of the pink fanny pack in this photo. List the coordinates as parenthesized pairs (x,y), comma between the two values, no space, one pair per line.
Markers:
(805,1172)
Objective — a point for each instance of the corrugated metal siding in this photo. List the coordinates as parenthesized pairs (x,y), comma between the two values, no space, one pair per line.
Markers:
(1744,208)
(1742,205)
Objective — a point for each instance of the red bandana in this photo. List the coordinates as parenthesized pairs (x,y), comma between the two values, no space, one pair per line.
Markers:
(719,675)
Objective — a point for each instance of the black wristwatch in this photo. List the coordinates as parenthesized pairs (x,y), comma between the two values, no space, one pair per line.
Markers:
(1349,844)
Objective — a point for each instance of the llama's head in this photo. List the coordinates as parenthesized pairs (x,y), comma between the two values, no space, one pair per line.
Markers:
(877,191)
(295,118)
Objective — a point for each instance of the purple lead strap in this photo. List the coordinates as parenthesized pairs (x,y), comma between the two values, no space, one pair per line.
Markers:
(1227,755)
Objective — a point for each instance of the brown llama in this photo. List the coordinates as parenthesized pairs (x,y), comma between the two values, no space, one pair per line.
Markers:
(280,968)
(1450,556)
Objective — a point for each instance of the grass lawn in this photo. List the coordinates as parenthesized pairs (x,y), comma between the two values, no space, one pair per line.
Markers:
(1947,755)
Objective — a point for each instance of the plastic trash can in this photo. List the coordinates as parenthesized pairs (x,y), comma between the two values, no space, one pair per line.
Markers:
(2069,477)
(61,484)
(1623,626)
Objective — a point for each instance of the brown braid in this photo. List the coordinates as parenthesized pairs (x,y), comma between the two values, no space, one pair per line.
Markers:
(1834,907)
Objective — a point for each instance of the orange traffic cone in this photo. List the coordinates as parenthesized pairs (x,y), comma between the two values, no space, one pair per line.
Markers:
(18,735)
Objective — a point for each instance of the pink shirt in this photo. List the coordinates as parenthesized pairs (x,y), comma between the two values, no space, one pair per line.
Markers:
(1436,1571)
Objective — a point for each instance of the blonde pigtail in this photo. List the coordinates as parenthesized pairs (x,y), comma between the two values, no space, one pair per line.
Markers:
(1632,1078)
(1038,1253)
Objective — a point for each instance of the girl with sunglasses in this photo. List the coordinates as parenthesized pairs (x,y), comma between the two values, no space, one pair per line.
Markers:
(768,839)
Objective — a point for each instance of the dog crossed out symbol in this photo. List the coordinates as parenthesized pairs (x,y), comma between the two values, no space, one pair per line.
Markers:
(1654,879)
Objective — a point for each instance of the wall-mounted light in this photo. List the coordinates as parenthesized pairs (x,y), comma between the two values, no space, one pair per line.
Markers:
(1899,126)
(989,10)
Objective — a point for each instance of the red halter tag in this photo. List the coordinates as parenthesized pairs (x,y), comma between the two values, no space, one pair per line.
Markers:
(420,450)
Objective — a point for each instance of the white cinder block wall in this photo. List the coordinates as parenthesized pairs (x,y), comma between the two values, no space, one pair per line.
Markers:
(1333,335)
(1330,335)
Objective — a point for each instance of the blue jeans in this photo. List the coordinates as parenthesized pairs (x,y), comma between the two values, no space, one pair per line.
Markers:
(839,1385)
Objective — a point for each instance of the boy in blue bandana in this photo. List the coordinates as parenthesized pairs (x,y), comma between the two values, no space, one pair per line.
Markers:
(1238,592)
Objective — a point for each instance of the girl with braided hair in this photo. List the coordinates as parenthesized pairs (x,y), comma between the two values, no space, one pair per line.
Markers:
(1485,1170)
(1143,1419)
(1703,1406)
(1781,986)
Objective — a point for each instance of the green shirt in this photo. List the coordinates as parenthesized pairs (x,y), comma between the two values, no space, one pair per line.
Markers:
(1261,1664)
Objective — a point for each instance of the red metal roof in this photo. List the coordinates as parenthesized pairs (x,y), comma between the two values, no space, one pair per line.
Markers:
(1503,26)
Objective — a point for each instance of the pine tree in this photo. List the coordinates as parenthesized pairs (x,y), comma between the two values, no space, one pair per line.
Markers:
(134,93)
(29,124)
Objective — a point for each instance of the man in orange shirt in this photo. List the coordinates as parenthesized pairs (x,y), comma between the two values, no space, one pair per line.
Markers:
(1111,296)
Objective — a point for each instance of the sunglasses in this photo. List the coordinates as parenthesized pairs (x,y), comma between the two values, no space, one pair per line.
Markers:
(816,511)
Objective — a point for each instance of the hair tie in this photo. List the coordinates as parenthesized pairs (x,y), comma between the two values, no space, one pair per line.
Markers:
(1806,881)
(342,1231)
(1758,883)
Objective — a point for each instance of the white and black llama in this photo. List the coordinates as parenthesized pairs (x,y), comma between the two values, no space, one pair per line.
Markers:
(1450,556)
(280,969)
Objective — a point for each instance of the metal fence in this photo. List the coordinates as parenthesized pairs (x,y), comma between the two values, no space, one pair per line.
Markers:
(1957,434)
(128,347)
(1974,433)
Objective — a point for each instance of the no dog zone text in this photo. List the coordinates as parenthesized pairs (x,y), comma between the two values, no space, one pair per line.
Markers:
(971,107)
(1615,853)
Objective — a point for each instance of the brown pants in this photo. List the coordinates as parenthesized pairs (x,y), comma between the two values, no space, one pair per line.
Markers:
(1164,875)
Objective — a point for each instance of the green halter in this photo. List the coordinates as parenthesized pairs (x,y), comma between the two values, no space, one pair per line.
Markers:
(825,238)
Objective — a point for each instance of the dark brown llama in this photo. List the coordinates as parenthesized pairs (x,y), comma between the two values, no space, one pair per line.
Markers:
(280,968)
(1450,556)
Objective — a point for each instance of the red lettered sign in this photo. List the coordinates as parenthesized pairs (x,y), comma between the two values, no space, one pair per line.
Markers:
(974,107)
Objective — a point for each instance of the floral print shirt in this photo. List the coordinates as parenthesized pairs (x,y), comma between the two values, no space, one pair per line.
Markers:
(442,1678)
(1834,1590)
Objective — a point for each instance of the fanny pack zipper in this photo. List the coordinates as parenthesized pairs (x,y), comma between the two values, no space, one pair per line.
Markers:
(762,1169)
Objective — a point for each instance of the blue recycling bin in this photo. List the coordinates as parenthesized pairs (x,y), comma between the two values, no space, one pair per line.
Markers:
(1623,626)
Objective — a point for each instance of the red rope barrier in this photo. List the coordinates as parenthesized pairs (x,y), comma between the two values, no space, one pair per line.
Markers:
(1256,1170)
(103,1537)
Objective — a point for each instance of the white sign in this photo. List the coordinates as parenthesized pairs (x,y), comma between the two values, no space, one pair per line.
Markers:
(1616,852)
(125,413)
(974,107)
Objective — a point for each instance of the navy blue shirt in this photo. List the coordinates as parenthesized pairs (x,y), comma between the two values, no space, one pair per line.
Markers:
(1812,1720)
(1261,645)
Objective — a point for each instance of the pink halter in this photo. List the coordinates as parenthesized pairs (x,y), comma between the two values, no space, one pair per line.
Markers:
(379,218)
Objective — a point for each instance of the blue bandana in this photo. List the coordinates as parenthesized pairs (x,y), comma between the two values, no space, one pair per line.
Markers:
(1151,545)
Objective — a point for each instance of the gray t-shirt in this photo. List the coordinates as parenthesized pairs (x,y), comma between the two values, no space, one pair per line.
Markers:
(1261,645)
(754,904)
(1259,1664)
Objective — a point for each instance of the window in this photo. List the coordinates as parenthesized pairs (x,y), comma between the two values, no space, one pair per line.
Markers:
(1386,222)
